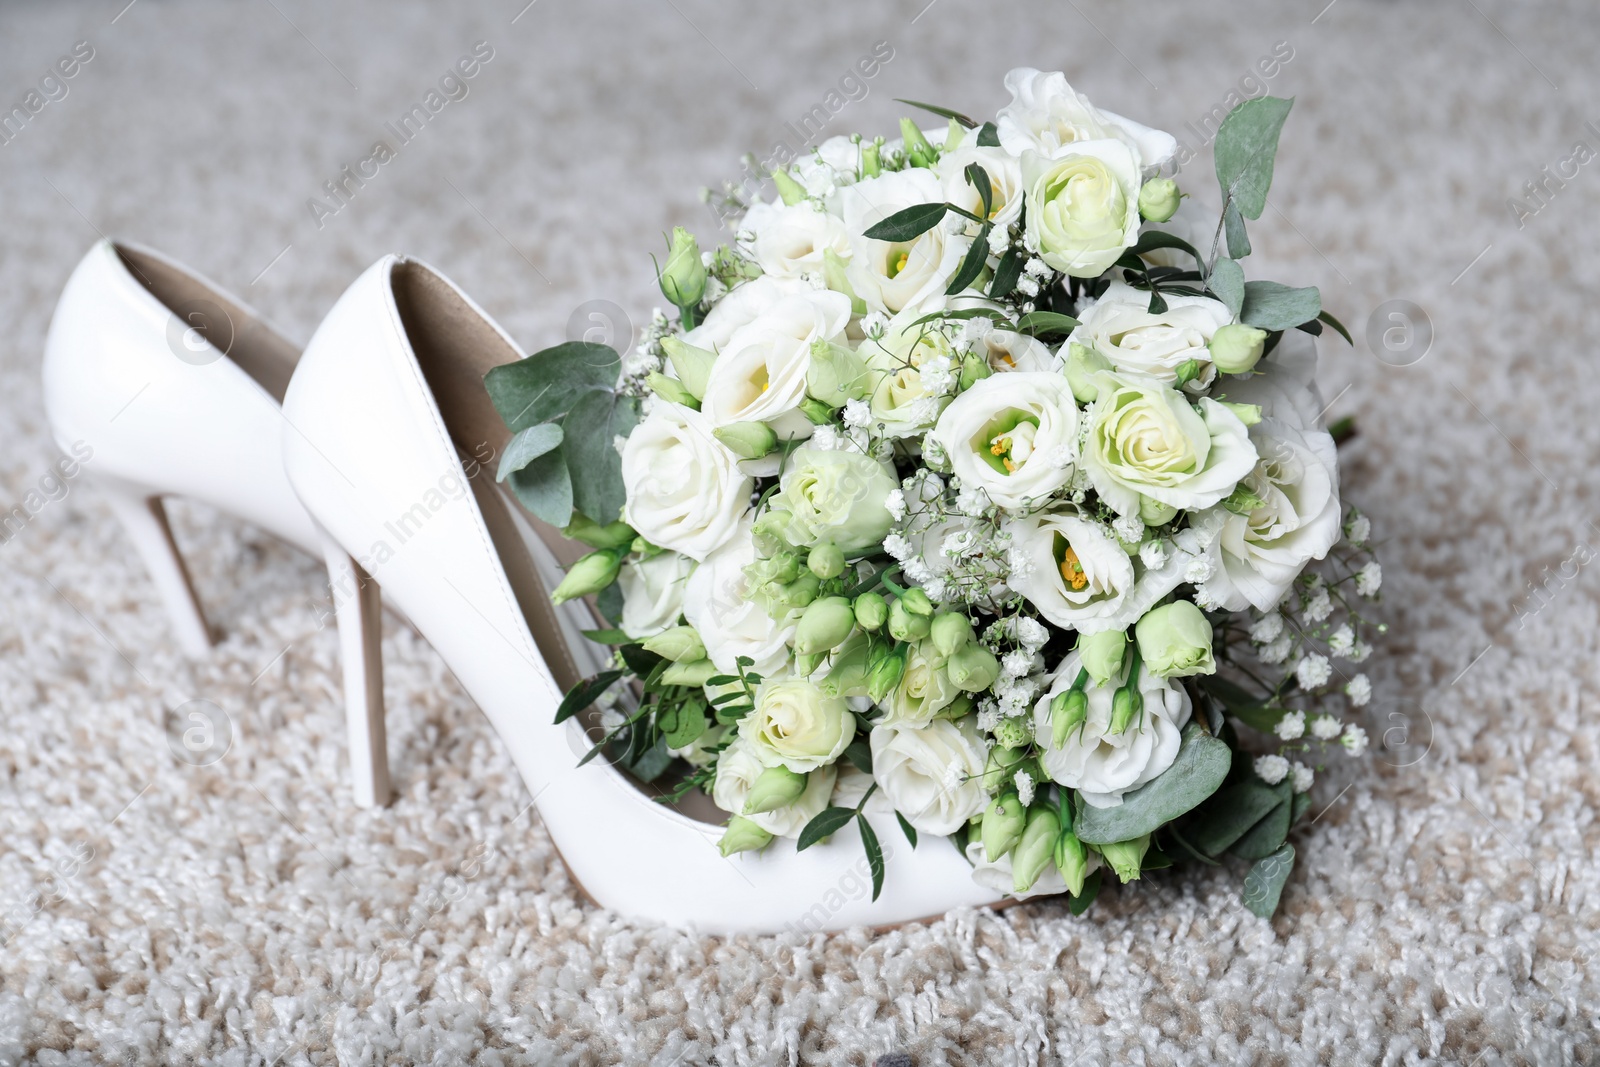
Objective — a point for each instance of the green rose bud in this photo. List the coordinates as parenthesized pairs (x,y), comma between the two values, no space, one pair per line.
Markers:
(826,623)
(918,150)
(1175,640)
(950,632)
(1186,372)
(790,190)
(690,672)
(887,669)
(1126,857)
(974,369)
(904,626)
(742,835)
(1154,512)
(671,390)
(747,440)
(1102,653)
(1249,414)
(1236,348)
(973,668)
(1158,199)
(1068,711)
(1013,732)
(1072,860)
(1036,850)
(816,412)
(683,280)
(691,364)
(774,788)
(1083,363)
(836,375)
(590,574)
(1003,823)
(612,535)
(872,611)
(1126,705)
(835,496)
(826,560)
(917,602)
(680,644)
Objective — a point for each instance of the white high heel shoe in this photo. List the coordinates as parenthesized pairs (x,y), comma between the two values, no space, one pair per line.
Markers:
(387,401)
(175,385)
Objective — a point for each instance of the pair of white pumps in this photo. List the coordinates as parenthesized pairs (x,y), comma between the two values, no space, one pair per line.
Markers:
(367,450)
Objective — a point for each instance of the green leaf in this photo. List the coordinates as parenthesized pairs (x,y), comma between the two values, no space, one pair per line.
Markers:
(1046,323)
(1275,306)
(825,824)
(1155,239)
(653,763)
(545,488)
(978,178)
(606,637)
(687,723)
(942,112)
(1229,814)
(1266,836)
(859,753)
(1200,767)
(1158,305)
(908,224)
(1006,274)
(1263,886)
(1233,226)
(869,840)
(595,421)
(971,264)
(640,660)
(584,693)
(1246,146)
(1337,325)
(989,136)
(1091,889)
(609,601)
(1227,282)
(907,829)
(546,384)
(528,445)
(1302,801)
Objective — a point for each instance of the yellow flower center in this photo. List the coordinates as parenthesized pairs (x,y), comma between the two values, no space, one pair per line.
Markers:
(1072,571)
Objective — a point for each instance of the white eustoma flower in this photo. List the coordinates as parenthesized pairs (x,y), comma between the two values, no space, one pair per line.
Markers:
(1005,182)
(1046,115)
(737,771)
(791,240)
(685,490)
(1007,351)
(1081,579)
(760,375)
(1135,342)
(1002,435)
(744,304)
(795,725)
(652,593)
(915,765)
(896,276)
(1103,766)
(718,604)
(924,691)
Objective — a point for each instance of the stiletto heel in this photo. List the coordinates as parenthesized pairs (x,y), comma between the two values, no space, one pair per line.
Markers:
(143,516)
(358,609)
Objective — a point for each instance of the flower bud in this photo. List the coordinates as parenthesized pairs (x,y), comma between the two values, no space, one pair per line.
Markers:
(780,568)
(692,365)
(1126,857)
(826,560)
(1000,770)
(954,134)
(1125,707)
(918,150)
(612,535)
(1175,640)
(789,189)
(950,632)
(972,669)
(1153,512)
(798,593)
(774,788)
(1249,414)
(1067,711)
(836,375)
(1101,654)
(742,835)
(872,611)
(871,160)
(770,531)
(1083,363)
(904,626)
(1236,348)
(681,644)
(825,624)
(1158,199)
(816,412)
(852,662)
(974,369)
(1003,823)
(1012,732)
(1186,372)
(747,440)
(689,672)
(1072,860)
(917,602)
(683,280)
(886,671)
(590,574)
(956,710)
(808,663)
(671,390)
(835,275)
(1036,850)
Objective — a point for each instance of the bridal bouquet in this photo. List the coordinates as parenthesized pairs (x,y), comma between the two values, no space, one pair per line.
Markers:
(973,482)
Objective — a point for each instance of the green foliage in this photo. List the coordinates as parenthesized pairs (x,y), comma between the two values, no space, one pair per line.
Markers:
(1245,149)
(1200,767)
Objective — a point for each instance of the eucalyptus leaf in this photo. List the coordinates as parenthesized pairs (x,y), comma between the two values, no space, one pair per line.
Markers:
(907,224)
(688,723)
(826,823)
(1227,282)
(528,445)
(544,487)
(1229,814)
(1233,227)
(652,763)
(595,421)
(1266,836)
(1200,767)
(609,600)
(1263,885)
(1275,306)
(1245,148)
(547,384)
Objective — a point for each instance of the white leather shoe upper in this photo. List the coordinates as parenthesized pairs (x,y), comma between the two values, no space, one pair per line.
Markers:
(158,401)
(370,456)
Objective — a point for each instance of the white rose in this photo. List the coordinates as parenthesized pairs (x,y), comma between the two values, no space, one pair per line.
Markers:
(921,767)
(685,489)
(902,404)
(895,276)
(1013,435)
(793,725)
(1082,579)
(1102,766)
(1083,206)
(1005,182)
(792,240)
(996,875)
(742,305)
(1121,328)
(652,593)
(1145,438)
(1047,115)
(923,692)
(737,770)
(760,375)
(718,604)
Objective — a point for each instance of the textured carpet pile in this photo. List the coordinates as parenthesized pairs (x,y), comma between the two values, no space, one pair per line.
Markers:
(1446,903)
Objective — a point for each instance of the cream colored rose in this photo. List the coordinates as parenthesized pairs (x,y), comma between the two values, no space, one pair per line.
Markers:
(1137,343)
(932,773)
(760,375)
(652,593)
(737,770)
(717,602)
(1083,206)
(1046,115)
(685,490)
(791,240)
(1013,435)
(1081,578)
(895,276)
(795,726)
(836,496)
(1104,766)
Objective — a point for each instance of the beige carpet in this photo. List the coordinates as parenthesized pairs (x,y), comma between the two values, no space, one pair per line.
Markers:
(1446,905)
